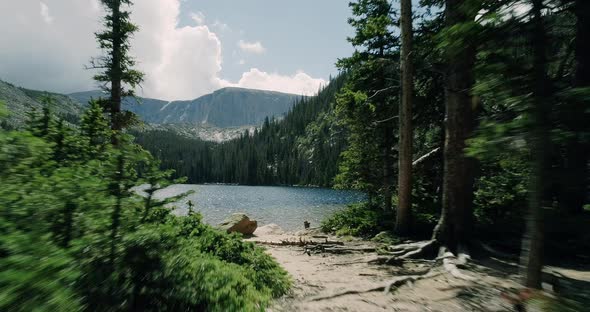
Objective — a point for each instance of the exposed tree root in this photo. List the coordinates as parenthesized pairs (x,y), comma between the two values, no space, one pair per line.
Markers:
(327,248)
(300,242)
(450,262)
(388,287)
(414,250)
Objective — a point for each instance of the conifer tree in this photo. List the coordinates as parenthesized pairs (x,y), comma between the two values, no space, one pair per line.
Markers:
(576,179)
(118,78)
(532,246)
(405,122)
(366,104)
(94,127)
(456,219)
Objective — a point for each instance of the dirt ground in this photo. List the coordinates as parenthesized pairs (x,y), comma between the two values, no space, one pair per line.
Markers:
(343,279)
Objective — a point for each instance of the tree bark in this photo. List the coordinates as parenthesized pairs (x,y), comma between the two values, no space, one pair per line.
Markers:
(454,227)
(402,223)
(575,180)
(387,169)
(116,70)
(532,244)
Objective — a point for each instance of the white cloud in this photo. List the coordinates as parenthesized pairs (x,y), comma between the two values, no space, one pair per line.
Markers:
(241,62)
(45,13)
(299,83)
(251,47)
(179,62)
(49,57)
(198,17)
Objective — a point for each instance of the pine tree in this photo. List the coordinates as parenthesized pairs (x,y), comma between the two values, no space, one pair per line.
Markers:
(575,179)
(404,208)
(117,64)
(370,77)
(94,127)
(532,246)
(454,227)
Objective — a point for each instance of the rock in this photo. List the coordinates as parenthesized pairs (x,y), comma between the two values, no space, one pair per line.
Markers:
(239,222)
(269,229)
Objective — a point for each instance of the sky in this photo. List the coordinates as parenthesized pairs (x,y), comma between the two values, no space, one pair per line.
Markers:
(187,48)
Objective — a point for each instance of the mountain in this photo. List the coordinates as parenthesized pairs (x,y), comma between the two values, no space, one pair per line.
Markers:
(200,131)
(303,148)
(224,108)
(20,101)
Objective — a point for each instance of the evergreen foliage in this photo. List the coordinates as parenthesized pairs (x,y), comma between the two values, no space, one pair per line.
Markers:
(303,148)
(58,250)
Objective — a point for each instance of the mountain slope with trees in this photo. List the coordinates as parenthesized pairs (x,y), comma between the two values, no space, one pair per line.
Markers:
(20,102)
(303,148)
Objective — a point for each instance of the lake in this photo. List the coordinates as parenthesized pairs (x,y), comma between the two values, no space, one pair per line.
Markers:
(286,206)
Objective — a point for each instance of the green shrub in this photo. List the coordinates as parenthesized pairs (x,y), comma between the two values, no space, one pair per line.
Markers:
(500,197)
(35,275)
(260,268)
(356,220)
(59,252)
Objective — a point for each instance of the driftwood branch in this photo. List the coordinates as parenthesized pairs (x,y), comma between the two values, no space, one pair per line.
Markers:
(300,243)
(425,157)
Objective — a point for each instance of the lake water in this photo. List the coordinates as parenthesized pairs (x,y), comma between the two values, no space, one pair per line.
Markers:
(286,206)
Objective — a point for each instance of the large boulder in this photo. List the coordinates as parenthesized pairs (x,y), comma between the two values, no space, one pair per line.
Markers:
(239,222)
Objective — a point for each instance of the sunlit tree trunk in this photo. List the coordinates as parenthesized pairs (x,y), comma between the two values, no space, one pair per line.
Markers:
(454,227)
(403,215)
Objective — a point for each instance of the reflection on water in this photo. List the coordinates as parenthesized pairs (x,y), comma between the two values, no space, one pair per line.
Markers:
(286,206)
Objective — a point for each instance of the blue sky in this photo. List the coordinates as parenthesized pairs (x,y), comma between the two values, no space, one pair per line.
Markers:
(306,35)
(186,48)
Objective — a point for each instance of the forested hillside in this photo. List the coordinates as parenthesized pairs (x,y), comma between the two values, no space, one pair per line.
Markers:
(21,102)
(301,149)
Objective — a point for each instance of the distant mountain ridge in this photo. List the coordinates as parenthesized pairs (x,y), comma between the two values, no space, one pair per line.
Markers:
(224,108)
(21,101)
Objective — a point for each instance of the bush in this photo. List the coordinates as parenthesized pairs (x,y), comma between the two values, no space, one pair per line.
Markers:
(356,220)
(62,249)
(260,268)
(500,197)
(35,275)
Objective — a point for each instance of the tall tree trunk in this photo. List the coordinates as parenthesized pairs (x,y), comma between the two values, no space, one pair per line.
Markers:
(532,245)
(116,70)
(402,222)
(388,142)
(577,151)
(454,227)
(387,170)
